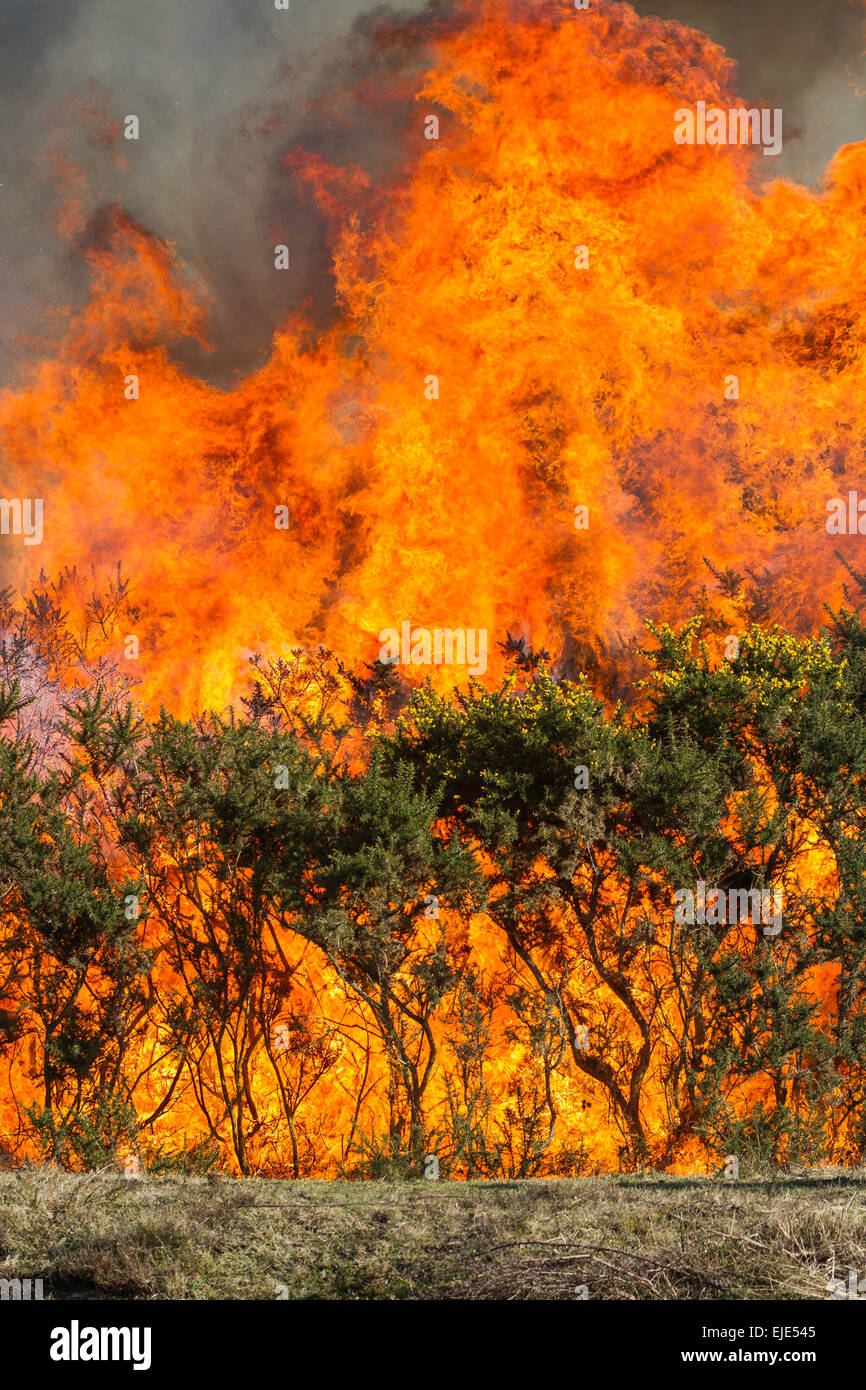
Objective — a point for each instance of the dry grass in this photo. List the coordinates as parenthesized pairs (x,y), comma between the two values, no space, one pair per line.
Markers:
(99,1235)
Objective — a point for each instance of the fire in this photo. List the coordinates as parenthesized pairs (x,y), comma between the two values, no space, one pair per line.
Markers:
(540,310)
(557,387)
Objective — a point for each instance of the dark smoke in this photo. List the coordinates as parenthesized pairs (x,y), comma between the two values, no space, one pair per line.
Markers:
(224,88)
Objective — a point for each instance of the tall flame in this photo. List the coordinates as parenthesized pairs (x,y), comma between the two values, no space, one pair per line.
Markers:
(539,309)
(558,386)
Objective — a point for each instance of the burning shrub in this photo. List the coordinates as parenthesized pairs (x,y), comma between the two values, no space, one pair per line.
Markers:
(313,944)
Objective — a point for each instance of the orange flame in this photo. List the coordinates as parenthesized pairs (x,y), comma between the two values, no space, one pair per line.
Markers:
(558,387)
(482,382)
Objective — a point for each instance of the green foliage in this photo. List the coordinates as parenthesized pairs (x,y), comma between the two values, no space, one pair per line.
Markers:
(195,1159)
(87,1138)
(234,833)
(379,1157)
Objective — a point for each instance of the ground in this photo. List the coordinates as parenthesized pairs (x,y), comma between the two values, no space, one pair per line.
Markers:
(100,1235)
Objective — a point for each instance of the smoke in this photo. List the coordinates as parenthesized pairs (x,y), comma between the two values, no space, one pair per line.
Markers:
(804,57)
(220,88)
(224,88)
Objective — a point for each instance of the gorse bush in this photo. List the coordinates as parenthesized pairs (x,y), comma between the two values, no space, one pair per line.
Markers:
(312,938)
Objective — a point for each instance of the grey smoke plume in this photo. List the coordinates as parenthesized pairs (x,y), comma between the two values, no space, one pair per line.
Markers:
(805,56)
(220,88)
(223,87)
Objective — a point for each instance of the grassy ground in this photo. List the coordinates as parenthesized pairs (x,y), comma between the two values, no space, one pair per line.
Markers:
(99,1235)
